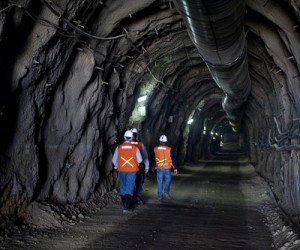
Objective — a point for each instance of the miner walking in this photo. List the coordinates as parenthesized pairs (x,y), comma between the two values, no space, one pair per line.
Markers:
(126,160)
(165,162)
(143,169)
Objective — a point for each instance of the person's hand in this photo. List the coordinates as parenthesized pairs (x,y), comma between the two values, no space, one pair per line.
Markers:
(175,171)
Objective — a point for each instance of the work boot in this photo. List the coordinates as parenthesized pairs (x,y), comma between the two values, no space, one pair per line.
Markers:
(123,200)
(127,211)
(139,201)
(127,203)
(167,195)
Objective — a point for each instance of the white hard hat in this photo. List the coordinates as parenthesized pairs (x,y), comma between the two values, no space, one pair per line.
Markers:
(163,138)
(128,135)
(134,130)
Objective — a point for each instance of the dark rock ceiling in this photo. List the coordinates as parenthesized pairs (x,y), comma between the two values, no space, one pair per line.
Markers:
(71,73)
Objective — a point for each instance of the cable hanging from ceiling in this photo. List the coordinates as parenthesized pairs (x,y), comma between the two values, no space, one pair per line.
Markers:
(65,21)
(66,33)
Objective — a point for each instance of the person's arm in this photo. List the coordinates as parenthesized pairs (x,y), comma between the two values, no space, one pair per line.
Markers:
(145,158)
(174,163)
(138,155)
(115,159)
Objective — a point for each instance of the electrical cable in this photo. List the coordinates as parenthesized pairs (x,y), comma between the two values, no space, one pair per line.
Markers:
(65,21)
(89,35)
(7,7)
(66,33)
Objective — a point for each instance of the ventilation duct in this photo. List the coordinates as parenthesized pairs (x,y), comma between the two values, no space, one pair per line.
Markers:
(216,28)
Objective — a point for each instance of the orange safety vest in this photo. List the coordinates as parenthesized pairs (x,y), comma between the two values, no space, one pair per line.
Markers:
(137,143)
(163,157)
(127,158)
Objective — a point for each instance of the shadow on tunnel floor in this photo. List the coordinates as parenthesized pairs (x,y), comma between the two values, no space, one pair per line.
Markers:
(209,209)
(233,157)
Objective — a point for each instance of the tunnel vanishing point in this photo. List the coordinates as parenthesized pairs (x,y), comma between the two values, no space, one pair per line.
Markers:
(211,75)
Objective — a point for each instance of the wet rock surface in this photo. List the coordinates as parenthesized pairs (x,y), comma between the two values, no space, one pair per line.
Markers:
(214,205)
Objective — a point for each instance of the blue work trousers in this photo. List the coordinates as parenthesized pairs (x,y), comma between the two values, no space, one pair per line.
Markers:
(139,182)
(163,177)
(127,182)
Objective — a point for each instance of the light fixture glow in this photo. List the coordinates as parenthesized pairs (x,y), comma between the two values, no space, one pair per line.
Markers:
(142,111)
(190,121)
(142,98)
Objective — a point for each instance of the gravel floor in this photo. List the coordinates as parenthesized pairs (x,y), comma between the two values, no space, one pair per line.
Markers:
(214,205)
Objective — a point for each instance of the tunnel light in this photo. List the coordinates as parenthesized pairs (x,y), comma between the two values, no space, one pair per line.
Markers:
(190,121)
(211,133)
(216,133)
(204,132)
(142,111)
(142,98)
(170,119)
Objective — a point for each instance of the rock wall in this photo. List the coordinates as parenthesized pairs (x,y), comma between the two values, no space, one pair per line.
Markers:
(273,108)
(71,73)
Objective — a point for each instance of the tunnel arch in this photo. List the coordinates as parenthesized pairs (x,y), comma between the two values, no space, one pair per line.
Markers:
(82,67)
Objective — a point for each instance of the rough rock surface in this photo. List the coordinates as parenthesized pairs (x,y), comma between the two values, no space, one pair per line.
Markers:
(71,72)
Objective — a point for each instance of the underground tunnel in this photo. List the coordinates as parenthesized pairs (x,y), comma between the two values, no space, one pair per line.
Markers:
(219,78)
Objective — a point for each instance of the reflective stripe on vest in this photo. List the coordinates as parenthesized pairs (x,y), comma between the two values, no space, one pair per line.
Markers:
(127,158)
(126,162)
(163,157)
(137,143)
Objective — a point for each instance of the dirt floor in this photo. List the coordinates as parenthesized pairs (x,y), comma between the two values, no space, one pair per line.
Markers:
(214,205)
